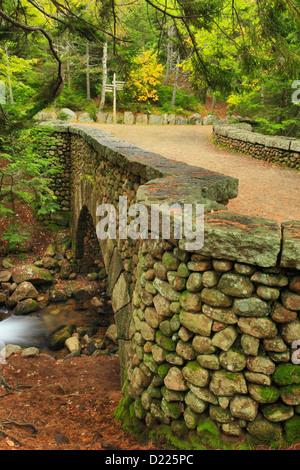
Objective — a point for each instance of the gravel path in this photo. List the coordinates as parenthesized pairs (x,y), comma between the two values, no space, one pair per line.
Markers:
(265,190)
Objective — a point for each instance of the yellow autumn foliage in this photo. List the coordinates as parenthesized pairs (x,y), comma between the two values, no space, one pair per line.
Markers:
(145,76)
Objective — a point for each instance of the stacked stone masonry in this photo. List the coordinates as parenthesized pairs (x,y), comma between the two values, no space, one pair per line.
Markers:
(204,335)
(284,151)
(212,337)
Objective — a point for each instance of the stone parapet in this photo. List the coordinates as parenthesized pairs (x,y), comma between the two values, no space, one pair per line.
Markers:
(274,149)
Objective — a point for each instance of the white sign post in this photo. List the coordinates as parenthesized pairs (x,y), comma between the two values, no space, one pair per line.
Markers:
(113,88)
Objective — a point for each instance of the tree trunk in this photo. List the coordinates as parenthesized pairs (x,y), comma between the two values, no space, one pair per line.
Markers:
(213,105)
(175,83)
(10,92)
(170,52)
(88,86)
(68,64)
(104,76)
(262,95)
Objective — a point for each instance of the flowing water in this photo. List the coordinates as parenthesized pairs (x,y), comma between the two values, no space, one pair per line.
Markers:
(35,329)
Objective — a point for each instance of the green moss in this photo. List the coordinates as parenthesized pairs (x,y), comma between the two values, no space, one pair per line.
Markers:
(121,411)
(170,261)
(277,412)
(287,374)
(231,375)
(163,369)
(139,410)
(178,436)
(125,412)
(193,366)
(165,342)
(150,362)
(209,433)
(268,394)
(165,328)
(179,427)
(154,392)
(183,270)
(172,395)
(172,410)
(292,429)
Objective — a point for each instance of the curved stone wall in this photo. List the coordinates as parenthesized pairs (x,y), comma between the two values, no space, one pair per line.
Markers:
(284,151)
(205,337)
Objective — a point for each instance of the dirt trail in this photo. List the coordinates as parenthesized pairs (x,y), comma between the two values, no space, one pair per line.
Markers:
(265,190)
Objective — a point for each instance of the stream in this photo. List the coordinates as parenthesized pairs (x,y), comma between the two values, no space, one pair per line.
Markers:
(36,328)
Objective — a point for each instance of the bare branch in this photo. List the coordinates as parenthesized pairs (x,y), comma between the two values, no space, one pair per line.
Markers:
(26,27)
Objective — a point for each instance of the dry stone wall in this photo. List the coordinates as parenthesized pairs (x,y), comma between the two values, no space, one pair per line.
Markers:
(59,148)
(284,151)
(205,336)
(213,339)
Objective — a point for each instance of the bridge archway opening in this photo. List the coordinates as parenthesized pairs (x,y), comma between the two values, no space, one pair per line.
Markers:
(87,247)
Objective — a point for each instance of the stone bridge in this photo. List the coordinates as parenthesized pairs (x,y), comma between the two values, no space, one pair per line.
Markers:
(205,335)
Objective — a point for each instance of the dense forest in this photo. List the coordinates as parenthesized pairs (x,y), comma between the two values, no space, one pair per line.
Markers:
(173,55)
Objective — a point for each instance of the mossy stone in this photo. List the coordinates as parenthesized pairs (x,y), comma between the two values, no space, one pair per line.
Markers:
(215,298)
(191,418)
(165,328)
(233,360)
(165,342)
(179,427)
(57,340)
(208,433)
(235,285)
(172,409)
(195,403)
(150,363)
(176,281)
(290,394)
(170,261)
(220,415)
(183,270)
(264,430)
(190,302)
(194,373)
(194,282)
(286,374)
(154,392)
(175,322)
(278,412)
(146,400)
(26,306)
(163,369)
(166,290)
(292,429)
(159,354)
(172,395)
(139,410)
(263,394)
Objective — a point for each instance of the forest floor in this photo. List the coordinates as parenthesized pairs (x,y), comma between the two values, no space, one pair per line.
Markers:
(63,405)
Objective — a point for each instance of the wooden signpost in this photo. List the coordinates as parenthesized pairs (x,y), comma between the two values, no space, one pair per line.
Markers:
(113,88)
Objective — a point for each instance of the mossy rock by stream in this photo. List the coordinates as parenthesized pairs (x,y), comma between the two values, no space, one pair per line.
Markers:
(57,339)
(32,274)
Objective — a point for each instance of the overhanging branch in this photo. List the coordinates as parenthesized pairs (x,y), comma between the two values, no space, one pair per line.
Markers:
(28,28)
